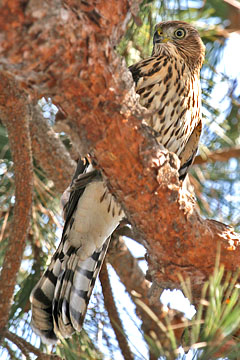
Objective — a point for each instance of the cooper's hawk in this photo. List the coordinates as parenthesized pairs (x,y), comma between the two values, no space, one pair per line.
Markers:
(168,85)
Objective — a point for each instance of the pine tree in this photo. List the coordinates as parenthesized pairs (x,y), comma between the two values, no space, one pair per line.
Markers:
(55,61)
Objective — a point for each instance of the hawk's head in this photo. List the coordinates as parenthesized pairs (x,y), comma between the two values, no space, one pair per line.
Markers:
(179,37)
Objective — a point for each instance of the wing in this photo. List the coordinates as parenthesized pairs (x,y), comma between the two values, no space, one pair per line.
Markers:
(147,73)
(60,298)
(189,152)
(66,202)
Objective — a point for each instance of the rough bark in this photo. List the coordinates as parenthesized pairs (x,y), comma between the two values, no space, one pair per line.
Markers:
(15,114)
(66,51)
(50,152)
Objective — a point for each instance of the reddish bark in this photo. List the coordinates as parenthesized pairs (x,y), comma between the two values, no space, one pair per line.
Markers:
(15,113)
(50,152)
(67,52)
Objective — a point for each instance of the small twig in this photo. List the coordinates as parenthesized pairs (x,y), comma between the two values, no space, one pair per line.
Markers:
(19,342)
(4,225)
(27,348)
(10,352)
(113,313)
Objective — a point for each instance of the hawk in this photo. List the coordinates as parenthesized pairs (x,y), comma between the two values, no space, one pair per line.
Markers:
(169,86)
(168,83)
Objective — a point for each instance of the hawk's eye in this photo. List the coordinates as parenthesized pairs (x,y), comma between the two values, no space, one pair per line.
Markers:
(180,33)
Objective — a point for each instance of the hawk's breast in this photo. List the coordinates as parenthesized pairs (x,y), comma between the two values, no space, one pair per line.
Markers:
(169,90)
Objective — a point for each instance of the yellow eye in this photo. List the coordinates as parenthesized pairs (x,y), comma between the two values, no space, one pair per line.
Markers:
(180,33)
(159,31)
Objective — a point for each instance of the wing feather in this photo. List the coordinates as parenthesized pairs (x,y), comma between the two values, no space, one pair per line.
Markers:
(189,152)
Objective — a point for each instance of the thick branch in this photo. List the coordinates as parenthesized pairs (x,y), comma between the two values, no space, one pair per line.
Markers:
(113,313)
(179,241)
(15,114)
(80,70)
(50,151)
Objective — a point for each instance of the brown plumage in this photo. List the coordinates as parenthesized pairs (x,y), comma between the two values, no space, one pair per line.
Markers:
(168,83)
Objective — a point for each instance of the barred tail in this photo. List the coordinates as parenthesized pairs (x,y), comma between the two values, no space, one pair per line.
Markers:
(41,299)
(60,298)
(73,291)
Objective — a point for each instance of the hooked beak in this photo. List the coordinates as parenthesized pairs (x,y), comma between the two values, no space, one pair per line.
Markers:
(160,38)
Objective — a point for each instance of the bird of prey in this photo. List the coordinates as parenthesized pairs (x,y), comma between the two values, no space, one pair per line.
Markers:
(169,87)
(168,83)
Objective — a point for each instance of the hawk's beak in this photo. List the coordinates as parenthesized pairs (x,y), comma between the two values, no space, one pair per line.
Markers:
(160,37)
(165,39)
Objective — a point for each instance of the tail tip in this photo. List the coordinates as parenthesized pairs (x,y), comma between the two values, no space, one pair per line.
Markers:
(47,336)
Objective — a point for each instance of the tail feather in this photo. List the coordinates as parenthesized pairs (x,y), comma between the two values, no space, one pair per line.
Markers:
(60,298)
(41,300)
(73,291)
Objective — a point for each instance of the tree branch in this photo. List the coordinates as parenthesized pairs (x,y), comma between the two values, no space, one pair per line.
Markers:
(50,152)
(218,155)
(113,313)
(233,15)
(65,125)
(138,287)
(15,114)
(27,348)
